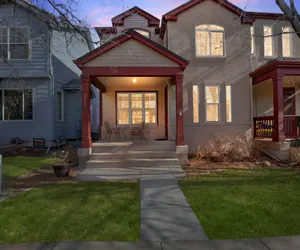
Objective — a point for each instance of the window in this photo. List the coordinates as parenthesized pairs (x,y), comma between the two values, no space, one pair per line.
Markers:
(268,41)
(252,40)
(286,42)
(16,104)
(212,103)
(209,40)
(143,32)
(228,104)
(59,107)
(134,108)
(14,42)
(196,103)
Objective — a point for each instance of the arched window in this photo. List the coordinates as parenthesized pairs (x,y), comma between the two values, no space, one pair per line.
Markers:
(209,40)
(143,32)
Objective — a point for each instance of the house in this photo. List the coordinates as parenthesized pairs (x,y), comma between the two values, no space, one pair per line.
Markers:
(207,68)
(40,87)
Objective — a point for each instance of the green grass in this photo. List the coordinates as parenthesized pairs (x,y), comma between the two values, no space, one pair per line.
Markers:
(20,165)
(103,211)
(246,203)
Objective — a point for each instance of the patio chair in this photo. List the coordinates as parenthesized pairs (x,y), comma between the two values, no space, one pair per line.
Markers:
(139,131)
(110,131)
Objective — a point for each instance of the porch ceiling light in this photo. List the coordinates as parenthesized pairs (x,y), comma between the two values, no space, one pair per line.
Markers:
(134,80)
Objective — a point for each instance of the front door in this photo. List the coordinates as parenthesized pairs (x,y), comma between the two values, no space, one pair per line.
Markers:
(289,101)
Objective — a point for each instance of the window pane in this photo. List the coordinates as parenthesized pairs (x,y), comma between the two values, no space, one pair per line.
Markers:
(143,32)
(13,104)
(123,101)
(3,35)
(137,116)
(3,51)
(28,104)
(252,40)
(228,104)
(1,105)
(209,27)
(59,106)
(202,43)
(212,112)
(123,117)
(18,35)
(19,51)
(268,40)
(286,42)
(137,101)
(217,43)
(195,103)
(212,94)
(150,101)
(150,116)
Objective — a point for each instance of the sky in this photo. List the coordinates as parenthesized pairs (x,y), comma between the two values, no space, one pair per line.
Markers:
(99,12)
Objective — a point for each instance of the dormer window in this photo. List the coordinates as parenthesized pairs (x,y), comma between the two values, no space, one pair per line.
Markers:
(143,32)
(209,40)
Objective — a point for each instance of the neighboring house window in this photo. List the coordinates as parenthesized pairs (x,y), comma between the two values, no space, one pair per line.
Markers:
(212,101)
(228,104)
(60,106)
(252,40)
(286,42)
(209,40)
(143,32)
(14,42)
(134,108)
(16,104)
(195,103)
(268,41)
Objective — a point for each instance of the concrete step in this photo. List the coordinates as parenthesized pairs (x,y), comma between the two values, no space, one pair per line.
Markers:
(142,162)
(134,155)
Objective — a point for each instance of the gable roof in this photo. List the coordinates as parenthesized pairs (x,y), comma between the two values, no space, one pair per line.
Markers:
(172,15)
(119,19)
(131,34)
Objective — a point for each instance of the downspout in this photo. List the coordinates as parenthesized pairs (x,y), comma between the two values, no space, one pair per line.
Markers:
(52,90)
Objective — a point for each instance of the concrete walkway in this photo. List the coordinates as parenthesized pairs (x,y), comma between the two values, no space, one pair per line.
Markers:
(279,243)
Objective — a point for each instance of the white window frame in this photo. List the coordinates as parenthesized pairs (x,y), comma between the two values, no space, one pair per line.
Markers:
(130,109)
(206,104)
(209,31)
(230,93)
(290,40)
(2,105)
(272,40)
(62,106)
(198,97)
(8,43)
(252,33)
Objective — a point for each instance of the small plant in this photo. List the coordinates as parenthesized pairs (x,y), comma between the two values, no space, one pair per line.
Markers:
(62,158)
(62,166)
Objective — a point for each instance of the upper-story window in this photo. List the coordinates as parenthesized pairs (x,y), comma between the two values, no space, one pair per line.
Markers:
(143,32)
(286,42)
(268,41)
(14,42)
(209,40)
(252,40)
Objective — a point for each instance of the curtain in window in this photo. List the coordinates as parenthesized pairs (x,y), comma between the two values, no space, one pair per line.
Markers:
(268,40)
(212,103)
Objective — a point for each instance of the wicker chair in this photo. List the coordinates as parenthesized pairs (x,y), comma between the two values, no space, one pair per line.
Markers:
(110,131)
(139,131)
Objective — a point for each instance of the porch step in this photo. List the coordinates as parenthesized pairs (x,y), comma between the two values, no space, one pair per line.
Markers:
(141,162)
(134,155)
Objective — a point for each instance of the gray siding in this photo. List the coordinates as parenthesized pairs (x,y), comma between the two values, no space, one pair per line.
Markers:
(37,65)
(41,125)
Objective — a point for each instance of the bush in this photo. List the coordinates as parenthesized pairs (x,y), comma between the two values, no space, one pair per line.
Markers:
(234,148)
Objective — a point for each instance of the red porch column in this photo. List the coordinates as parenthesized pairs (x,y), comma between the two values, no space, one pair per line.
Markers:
(101,112)
(178,81)
(278,135)
(85,113)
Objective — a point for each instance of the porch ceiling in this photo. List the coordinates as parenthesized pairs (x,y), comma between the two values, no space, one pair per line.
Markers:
(128,82)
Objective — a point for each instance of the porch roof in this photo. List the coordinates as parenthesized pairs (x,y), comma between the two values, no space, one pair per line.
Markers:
(127,35)
(278,66)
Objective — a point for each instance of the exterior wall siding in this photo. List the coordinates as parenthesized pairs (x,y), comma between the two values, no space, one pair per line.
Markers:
(132,53)
(38,64)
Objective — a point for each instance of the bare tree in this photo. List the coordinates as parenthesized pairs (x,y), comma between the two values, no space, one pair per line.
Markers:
(291,13)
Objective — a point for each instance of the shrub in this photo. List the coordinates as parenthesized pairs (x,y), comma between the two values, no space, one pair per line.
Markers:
(233,148)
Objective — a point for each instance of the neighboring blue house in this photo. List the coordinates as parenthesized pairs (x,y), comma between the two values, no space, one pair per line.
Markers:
(40,92)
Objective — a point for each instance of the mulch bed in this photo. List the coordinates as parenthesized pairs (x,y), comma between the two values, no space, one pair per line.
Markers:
(20,150)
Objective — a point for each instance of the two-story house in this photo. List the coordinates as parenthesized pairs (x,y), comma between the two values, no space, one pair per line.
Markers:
(40,87)
(207,68)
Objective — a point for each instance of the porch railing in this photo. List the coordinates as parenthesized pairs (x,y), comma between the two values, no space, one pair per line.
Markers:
(264,127)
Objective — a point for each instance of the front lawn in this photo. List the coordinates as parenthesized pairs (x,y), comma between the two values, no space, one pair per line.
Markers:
(246,203)
(20,165)
(103,211)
